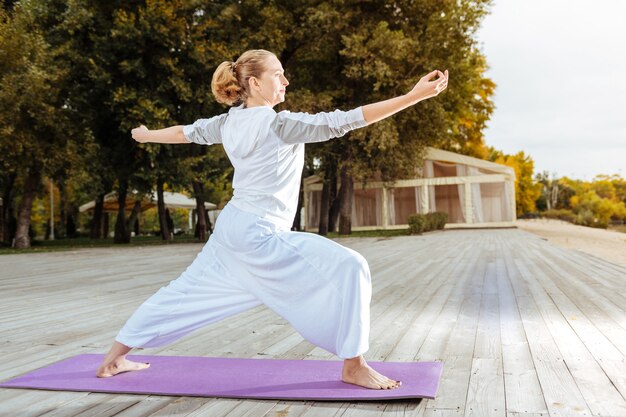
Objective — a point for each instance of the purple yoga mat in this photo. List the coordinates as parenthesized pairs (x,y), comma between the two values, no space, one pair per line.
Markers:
(234,378)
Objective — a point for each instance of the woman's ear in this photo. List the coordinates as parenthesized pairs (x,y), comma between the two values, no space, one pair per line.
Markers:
(254,84)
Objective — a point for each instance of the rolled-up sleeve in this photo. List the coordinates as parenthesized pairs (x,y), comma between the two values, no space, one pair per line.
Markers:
(205,131)
(319,127)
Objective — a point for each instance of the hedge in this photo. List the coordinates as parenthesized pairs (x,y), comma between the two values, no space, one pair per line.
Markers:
(419,223)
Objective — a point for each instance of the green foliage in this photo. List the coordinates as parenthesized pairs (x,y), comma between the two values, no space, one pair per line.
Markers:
(37,134)
(596,211)
(32,117)
(419,223)
(593,203)
(560,214)
(437,220)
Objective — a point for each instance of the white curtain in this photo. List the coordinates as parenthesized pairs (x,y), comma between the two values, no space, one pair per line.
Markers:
(430,173)
(509,197)
(461,171)
(391,206)
(477,200)
(379,206)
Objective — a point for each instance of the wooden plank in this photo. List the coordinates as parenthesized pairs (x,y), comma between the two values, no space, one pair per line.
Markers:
(561,393)
(462,310)
(110,406)
(146,407)
(290,408)
(522,390)
(485,395)
(82,404)
(324,409)
(217,407)
(181,406)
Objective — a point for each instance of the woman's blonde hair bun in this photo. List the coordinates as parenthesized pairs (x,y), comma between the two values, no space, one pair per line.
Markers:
(224,84)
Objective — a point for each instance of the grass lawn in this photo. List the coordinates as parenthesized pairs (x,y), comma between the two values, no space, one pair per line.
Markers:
(85,242)
(372,233)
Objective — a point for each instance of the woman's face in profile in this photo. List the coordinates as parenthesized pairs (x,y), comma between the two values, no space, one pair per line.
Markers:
(272,83)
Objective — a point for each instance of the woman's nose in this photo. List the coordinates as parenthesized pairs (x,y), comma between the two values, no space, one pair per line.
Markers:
(285,81)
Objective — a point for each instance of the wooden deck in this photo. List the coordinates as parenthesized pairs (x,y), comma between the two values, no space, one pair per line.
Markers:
(523,328)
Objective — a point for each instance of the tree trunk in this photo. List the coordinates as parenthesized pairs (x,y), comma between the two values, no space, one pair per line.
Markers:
(7,208)
(324,207)
(2,222)
(121,235)
(136,226)
(345,204)
(105,225)
(132,219)
(297,220)
(170,223)
(70,226)
(329,184)
(61,230)
(96,222)
(208,221)
(165,230)
(333,212)
(201,224)
(33,180)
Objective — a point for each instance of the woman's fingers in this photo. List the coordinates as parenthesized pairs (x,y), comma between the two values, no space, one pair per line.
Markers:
(431,84)
(430,75)
(137,133)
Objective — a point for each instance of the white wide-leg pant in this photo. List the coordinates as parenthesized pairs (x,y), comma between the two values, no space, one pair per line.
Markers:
(321,288)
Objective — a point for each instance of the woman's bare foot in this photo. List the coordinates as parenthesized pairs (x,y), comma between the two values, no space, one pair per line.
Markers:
(115,362)
(119,365)
(356,371)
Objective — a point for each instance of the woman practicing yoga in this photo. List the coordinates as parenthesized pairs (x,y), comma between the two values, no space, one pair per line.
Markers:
(320,287)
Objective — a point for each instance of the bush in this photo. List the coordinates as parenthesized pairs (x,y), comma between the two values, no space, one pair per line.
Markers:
(419,223)
(438,220)
(584,217)
(561,214)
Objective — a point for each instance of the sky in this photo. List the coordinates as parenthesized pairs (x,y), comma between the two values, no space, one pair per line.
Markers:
(560,71)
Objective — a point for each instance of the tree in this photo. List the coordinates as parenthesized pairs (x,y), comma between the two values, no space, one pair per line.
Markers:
(150,62)
(549,197)
(347,54)
(34,119)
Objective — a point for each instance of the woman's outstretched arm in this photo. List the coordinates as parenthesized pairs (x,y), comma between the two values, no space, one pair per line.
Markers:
(319,127)
(425,88)
(173,134)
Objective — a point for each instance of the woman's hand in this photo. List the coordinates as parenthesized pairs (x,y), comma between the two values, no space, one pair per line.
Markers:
(140,134)
(428,86)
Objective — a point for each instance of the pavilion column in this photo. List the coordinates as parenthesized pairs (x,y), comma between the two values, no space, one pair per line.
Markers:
(513,207)
(424,199)
(385,210)
(305,224)
(469,212)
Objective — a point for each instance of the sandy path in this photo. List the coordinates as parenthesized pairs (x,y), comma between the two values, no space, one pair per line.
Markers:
(605,244)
